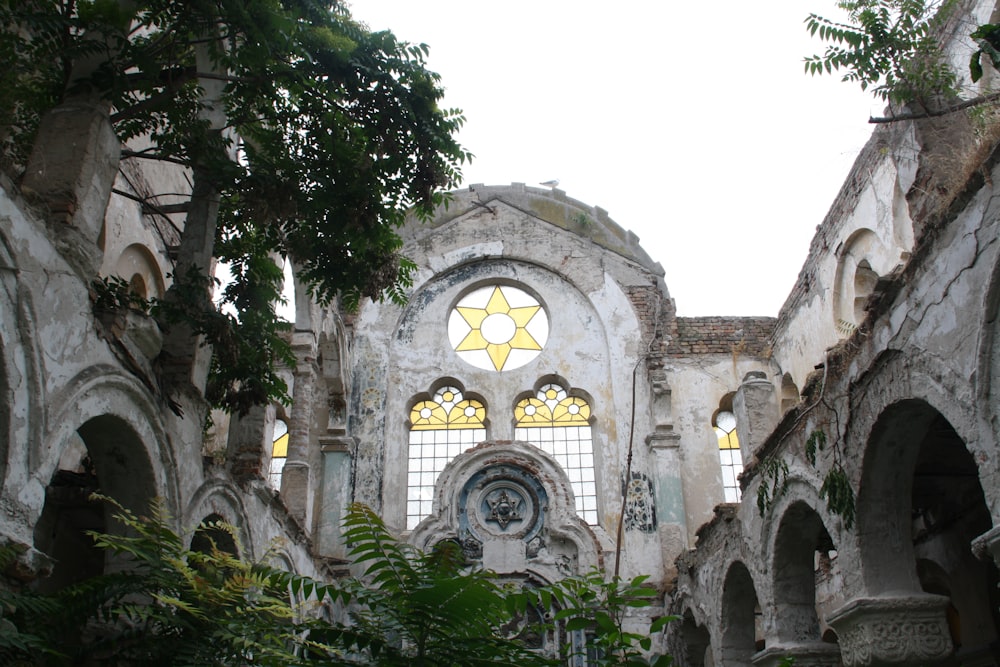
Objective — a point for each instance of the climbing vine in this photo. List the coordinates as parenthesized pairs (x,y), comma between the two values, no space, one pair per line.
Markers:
(836,488)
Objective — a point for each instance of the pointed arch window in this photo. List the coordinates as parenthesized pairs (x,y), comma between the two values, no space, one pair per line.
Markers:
(559,425)
(729,454)
(441,428)
(279,453)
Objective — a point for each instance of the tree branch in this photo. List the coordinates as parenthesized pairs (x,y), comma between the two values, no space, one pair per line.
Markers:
(952,108)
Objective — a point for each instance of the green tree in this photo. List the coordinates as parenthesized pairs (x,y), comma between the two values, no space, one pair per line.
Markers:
(890,46)
(305,136)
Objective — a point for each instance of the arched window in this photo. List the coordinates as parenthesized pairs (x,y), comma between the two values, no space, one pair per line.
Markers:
(279,453)
(440,429)
(729,454)
(559,425)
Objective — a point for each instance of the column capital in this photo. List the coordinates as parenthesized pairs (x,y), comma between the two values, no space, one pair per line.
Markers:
(901,630)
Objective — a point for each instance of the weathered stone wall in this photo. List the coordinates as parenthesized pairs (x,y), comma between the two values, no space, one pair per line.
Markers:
(904,400)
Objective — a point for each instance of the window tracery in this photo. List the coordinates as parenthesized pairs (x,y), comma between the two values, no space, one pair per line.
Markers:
(441,428)
(498,327)
(729,455)
(559,425)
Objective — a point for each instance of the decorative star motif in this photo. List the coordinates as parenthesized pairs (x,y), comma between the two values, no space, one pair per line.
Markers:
(498,328)
(504,509)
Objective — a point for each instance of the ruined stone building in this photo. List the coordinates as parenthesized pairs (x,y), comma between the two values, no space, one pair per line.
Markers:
(539,401)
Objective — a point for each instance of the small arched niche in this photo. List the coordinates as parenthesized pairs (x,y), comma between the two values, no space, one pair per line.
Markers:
(741,630)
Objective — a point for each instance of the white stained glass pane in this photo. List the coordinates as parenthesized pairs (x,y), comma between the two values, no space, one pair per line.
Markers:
(728,478)
(546,434)
(559,448)
(588,488)
(589,502)
(732,495)
(416,437)
(586,460)
(725,455)
(427,479)
(590,517)
(737,458)
(574,475)
(425,507)
(587,474)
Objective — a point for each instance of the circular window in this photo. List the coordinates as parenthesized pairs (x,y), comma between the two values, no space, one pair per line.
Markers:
(498,327)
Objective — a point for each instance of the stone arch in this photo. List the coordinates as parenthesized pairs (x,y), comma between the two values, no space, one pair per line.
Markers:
(216,498)
(695,642)
(860,261)
(567,544)
(739,626)
(800,535)
(106,455)
(22,393)
(790,396)
(138,266)
(921,496)
(210,535)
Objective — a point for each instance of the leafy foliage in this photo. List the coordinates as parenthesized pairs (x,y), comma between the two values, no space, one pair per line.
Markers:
(988,38)
(774,472)
(434,611)
(171,604)
(313,134)
(836,488)
(888,45)
(600,608)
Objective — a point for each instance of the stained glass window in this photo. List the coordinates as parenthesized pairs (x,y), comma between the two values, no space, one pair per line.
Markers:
(729,455)
(559,424)
(498,327)
(279,453)
(440,429)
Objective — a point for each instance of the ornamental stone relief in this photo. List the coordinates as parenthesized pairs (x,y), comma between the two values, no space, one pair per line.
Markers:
(911,630)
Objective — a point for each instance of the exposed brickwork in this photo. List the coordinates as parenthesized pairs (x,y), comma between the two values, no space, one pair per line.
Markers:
(722,335)
(656,316)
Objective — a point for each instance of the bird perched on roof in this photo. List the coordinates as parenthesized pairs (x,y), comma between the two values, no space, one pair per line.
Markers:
(550,184)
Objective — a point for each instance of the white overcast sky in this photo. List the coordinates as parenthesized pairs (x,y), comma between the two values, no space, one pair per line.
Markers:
(691,123)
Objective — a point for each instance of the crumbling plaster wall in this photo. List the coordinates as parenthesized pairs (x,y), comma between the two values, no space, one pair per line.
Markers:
(399,353)
(925,350)
(72,380)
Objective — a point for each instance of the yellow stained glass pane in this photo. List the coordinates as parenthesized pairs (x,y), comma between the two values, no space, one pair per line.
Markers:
(572,411)
(499,354)
(523,340)
(498,302)
(532,412)
(427,416)
(474,316)
(522,316)
(467,414)
(728,440)
(280,448)
(473,341)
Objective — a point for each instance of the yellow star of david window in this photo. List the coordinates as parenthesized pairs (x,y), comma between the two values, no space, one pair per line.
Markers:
(498,327)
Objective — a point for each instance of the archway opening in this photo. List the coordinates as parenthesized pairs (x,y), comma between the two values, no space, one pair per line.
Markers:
(697,643)
(212,533)
(105,455)
(802,558)
(742,634)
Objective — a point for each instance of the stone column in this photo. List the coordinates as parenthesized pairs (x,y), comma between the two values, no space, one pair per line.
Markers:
(756,408)
(668,487)
(901,630)
(248,440)
(295,474)
(669,492)
(335,494)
